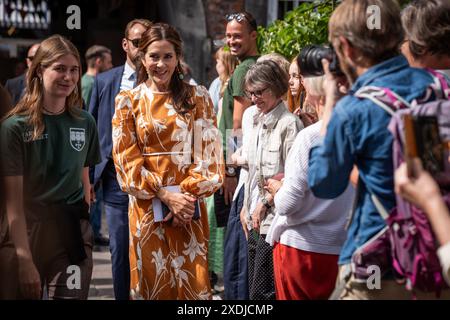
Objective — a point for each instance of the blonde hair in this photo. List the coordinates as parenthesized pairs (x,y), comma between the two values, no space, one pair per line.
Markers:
(350,19)
(315,86)
(278,59)
(230,63)
(31,104)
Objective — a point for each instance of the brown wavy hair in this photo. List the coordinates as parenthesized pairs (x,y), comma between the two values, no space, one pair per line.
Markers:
(295,102)
(31,104)
(182,93)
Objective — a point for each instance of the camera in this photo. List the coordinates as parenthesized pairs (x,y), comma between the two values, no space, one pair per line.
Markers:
(310,61)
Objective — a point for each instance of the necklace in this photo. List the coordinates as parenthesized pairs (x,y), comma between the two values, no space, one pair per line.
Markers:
(57,112)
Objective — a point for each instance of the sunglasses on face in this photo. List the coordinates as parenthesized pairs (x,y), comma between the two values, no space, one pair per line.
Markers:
(239,17)
(135,42)
(257,93)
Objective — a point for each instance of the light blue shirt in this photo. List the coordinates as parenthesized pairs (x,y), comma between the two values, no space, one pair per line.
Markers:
(128,78)
(214,92)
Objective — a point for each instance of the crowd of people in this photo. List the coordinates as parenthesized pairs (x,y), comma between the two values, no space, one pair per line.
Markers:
(275,181)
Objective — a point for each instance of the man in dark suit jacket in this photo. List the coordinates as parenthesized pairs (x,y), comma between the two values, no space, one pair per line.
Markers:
(16,86)
(106,86)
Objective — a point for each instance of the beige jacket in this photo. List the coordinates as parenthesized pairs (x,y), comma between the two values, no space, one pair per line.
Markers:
(271,139)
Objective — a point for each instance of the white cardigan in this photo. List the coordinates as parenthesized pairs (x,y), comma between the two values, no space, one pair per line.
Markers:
(303,221)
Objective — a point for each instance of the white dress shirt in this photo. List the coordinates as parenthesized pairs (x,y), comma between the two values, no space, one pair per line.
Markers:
(128,78)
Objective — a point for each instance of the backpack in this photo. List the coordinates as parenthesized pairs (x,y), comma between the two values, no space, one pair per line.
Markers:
(407,245)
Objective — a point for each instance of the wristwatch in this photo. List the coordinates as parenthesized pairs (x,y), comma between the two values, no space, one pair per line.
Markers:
(266,203)
(230,171)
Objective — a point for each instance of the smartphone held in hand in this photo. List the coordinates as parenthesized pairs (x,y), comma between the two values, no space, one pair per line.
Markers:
(422,140)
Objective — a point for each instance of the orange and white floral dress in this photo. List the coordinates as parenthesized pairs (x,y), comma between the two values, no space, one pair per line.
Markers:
(154,147)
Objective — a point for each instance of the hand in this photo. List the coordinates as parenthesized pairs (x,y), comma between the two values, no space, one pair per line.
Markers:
(243,218)
(335,87)
(419,190)
(234,158)
(93,197)
(88,195)
(177,223)
(297,111)
(237,158)
(182,206)
(258,215)
(228,188)
(29,279)
(272,186)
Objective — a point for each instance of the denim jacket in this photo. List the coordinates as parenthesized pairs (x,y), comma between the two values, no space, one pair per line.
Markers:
(357,134)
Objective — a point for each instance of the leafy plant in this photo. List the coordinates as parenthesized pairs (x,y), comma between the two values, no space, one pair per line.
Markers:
(306,24)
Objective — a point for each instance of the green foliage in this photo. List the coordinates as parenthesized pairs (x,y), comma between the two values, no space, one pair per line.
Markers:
(307,24)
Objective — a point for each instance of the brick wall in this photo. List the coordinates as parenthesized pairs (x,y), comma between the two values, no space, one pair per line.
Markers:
(215,11)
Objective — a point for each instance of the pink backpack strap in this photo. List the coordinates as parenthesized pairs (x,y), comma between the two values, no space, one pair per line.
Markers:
(384,98)
(440,85)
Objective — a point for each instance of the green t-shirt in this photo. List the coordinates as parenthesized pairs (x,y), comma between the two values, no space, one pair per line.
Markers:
(87,82)
(235,88)
(51,165)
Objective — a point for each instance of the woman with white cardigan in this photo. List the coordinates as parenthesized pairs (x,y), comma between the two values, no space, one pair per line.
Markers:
(307,232)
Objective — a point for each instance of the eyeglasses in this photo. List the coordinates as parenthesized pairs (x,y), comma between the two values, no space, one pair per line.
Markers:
(239,17)
(135,42)
(256,93)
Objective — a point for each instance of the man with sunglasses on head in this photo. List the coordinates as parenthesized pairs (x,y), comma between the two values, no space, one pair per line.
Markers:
(241,35)
(106,86)
(16,86)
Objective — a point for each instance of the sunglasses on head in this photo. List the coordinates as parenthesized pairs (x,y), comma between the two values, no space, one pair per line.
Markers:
(135,42)
(239,17)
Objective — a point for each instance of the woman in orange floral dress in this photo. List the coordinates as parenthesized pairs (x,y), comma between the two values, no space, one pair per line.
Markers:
(165,134)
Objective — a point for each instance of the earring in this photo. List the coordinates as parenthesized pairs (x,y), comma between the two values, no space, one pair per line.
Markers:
(180,73)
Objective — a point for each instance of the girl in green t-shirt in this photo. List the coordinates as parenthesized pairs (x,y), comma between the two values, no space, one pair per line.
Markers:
(48,144)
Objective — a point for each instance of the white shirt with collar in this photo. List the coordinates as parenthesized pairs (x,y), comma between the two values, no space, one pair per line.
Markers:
(128,78)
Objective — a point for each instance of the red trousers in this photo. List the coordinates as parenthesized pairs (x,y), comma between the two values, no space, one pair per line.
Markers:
(303,275)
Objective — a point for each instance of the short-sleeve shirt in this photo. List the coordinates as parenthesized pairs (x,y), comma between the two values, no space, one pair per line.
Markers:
(52,164)
(234,89)
(87,82)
